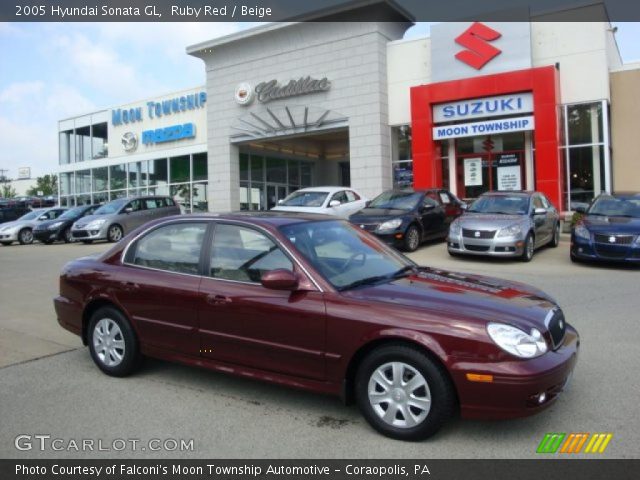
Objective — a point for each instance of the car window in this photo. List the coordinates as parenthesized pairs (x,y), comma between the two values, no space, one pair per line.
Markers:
(545,201)
(444,198)
(537,202)
(428,201)
(152,203)
(174,248)
(303,198)
(134,205)
(243,254)
(352,196)
(340,196)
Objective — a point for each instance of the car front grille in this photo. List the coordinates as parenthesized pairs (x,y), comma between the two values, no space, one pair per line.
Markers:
(80,233)
(557,326)
(617,239)
(481,233)
(368,227)
(477,248)
(612,251)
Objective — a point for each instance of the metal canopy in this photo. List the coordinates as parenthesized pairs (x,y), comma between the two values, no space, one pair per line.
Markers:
(285,121)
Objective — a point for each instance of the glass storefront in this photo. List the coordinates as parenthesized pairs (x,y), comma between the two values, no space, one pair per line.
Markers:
(89,142)
(184,178)
(267,179)
(401,160)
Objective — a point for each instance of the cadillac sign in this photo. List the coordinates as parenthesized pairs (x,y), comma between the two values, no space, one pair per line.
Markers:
(272,90)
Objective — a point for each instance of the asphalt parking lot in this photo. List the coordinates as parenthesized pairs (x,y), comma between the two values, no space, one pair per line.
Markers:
(50,386)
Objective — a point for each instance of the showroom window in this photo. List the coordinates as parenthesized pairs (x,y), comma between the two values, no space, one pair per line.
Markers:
(401,158)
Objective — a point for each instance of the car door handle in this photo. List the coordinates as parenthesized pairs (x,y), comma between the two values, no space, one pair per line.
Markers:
(218,299)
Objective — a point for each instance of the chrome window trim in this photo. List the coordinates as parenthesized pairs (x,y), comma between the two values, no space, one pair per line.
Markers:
(123,255)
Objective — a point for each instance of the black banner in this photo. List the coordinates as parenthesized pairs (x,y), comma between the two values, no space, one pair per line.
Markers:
(316,10)
(579,468)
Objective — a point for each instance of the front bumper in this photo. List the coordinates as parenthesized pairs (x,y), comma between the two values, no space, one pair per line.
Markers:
(496,246)
(46,235)
(84,234)
(584,249)
(517,384)
(9,236)
(395,238)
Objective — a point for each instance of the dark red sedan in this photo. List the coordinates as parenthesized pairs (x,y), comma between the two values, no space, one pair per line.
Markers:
(316,303)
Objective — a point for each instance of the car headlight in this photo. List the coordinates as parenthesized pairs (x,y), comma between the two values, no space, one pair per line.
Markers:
(390,224)
(54,226)
(516,341)
(510,231)
(95,224)
(454,228)
(581,232)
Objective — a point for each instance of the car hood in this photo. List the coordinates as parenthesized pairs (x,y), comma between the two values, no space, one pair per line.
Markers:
(44,225)
(377,215)
(18,224)
(620,225)
(89,218)
(460,296)
(488,221)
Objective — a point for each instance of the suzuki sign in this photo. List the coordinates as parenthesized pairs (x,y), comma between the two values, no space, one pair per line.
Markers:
(500,105)
(466,49)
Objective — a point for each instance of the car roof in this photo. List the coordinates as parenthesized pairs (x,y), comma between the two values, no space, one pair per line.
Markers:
(327,189)
(524,193)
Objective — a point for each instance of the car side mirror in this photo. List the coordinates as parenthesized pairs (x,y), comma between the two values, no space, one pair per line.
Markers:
(128,210)
(279,279)
(43,217)
(581,209)
(540,211)
(464,206)
(334,203)
(280,202)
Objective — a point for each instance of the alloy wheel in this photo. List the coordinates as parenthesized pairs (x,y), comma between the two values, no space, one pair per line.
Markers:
(413,238)
(115,233)
(399,395)
(108,342)
(26,236)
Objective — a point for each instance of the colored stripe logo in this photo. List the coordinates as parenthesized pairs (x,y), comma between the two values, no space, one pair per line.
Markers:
(574,443)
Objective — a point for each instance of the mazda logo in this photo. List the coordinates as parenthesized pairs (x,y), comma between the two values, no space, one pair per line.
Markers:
(129,141)
(477,234)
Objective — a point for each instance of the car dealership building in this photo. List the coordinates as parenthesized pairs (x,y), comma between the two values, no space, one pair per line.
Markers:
(476,106)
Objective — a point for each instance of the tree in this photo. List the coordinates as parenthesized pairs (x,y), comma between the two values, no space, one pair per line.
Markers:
(7,191)
(48,185)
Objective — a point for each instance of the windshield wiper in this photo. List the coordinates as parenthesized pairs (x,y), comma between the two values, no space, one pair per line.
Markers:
(379,278)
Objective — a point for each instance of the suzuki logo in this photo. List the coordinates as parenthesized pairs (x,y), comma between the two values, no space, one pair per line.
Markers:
(477,234)
(612,239)
(475,39)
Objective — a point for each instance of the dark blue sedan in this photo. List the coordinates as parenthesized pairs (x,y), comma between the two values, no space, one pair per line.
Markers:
(609,230)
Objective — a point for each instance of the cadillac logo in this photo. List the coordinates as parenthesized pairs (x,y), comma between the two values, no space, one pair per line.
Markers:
(129,141)
(612,239)
(244,94)
(477,234)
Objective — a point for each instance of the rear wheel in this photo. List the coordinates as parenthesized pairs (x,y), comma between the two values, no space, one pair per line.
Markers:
(404,394)
(555,239)
(114,234)
(25,237)
(529,246)
(412,239)
(112,342)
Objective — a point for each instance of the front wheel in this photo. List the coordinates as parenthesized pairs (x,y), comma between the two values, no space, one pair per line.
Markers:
(66,235)
(412,239)
(25,237)
(527,252)
(404,394)
(112,342)
(114,234)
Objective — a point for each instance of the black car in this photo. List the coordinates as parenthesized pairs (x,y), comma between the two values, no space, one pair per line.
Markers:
(9,213)
(60,228)
(405,218)
(609,229)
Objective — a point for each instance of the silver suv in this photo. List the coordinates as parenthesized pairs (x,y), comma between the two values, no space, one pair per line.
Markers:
(115,219)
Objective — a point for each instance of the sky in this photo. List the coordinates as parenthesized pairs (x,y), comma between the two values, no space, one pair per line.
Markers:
(52,71)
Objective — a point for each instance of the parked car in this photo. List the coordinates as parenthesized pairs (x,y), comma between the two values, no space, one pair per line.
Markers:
(21,230)
(115,219)
(336,201)
(406,218)
(609,229)
(505,224)
(50,231)
(9,213)
(313,302)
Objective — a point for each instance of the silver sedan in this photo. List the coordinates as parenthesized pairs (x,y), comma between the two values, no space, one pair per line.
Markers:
(21,230)
(505,224)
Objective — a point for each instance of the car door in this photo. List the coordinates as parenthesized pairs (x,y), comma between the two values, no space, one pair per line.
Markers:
(452,207)
(541,221)
(160,285)
(243,323)
(133,215)
(341,210)
(431,214)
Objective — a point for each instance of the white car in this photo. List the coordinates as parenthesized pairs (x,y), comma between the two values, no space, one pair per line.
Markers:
(336,201)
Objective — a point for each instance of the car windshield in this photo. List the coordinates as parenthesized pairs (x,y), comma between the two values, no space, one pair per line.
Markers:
(345,255)
(396,200)
(73,213)
(501,204)
(31,215)
(305,199)
(111,207)
(616,207)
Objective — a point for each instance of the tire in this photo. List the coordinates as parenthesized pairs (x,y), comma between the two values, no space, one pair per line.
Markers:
(412,239)
(416,413)
(87,242)
(114,234)
(112,342)
(25,236)
(66,235)
(529,247)
(555,239)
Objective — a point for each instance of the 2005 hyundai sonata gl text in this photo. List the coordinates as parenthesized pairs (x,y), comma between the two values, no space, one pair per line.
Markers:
(316,303)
